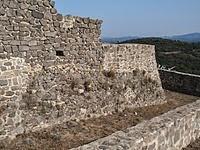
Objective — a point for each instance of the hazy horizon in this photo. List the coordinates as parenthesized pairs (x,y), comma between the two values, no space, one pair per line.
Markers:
(138,17)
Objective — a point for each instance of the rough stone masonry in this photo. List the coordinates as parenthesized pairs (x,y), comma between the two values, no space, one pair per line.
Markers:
(54,68)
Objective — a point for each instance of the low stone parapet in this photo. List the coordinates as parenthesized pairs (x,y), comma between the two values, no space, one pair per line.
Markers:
(171,131)
(180,82)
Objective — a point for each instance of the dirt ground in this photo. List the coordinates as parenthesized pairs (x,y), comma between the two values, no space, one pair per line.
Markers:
(73,134)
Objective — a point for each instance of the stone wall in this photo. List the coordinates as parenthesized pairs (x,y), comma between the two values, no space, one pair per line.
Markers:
(127,57)
(35,31)
(54,68)
(13,82)
(180,82)
(137,60)
(171,131)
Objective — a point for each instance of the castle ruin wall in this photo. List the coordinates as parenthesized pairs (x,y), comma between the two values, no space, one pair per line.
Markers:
(54,68)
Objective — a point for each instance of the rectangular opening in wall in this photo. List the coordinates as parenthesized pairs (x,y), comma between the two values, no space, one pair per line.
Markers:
(59,53)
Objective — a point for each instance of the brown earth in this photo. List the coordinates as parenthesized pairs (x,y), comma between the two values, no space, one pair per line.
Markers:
(73,134)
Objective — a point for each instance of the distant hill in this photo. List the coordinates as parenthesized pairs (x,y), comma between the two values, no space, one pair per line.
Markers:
(117,39)
(182,56)
(192,37)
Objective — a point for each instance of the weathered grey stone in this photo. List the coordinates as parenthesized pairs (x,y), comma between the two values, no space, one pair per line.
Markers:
(10,93)
(13,4)
(16,28)
(50,34)
(8,63)
(56,24)
(3,82)
(33,43)
(23,48)
(15,48)
(19,130)
(2,132)
(2,12)
(9,28)
(37,14)
(1,49)
(8,48)
(29,141)
(52,3)
(176,136)
(59,17)
(15,88)
(11,114)
(152,147)
(53,11)
(2,91)
(3,68)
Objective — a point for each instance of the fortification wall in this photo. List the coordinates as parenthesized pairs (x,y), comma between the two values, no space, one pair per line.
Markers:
(171,131)
(180,82)
(54,69)
(128,57)
(139,63)
(33,30)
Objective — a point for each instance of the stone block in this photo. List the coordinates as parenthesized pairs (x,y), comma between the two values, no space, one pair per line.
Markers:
(52,3)
(15,42)
(23,48)
(15,81)
(50,34)
(176,136)
(152,147)
(8,63)
(1,49)
(33,43)
(59,17)
(2,91)
(15,48)
(3,82)
(53,11)
(37,14)
(16,28)
(2,12)
(3,68)
(8,48)
(15,88)
(9,28)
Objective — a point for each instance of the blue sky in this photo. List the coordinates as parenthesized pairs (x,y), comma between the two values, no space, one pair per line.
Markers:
(137,17)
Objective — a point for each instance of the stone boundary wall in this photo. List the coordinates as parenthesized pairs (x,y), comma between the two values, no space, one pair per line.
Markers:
(137,60)
(180,82)
(36,97)
(128,57)
(171,131)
